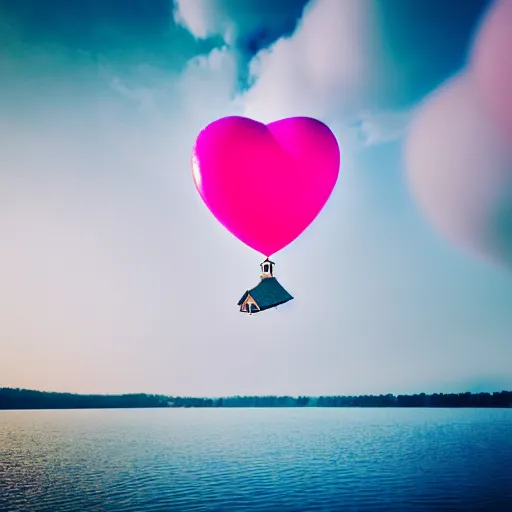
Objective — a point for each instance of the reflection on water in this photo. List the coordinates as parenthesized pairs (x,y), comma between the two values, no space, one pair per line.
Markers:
(256,459)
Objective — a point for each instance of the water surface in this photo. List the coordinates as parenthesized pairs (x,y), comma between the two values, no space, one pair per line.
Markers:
(314,459)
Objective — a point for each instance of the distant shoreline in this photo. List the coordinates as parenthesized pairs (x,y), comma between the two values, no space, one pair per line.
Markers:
(26,399)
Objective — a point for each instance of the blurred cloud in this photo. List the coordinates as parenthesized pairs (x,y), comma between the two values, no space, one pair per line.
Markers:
(460,171)
(459,163)
(491,61)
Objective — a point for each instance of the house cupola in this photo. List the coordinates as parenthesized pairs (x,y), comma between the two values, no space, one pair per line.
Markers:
(267,269)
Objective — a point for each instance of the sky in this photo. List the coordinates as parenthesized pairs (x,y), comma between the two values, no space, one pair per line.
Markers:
(115,276)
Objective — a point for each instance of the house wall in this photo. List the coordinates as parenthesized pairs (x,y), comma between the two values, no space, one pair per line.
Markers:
(248,300)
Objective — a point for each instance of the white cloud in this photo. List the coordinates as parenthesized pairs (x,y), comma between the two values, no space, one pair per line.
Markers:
(372,128)
(203,18)
(384,126)
(327,69)
(142,96)
(332,67)
(204,91)
(232,19)
(207,87)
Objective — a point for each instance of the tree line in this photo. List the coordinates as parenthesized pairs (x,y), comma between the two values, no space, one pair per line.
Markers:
(15,398)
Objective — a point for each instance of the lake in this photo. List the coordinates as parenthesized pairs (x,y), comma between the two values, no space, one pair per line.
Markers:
(309,459)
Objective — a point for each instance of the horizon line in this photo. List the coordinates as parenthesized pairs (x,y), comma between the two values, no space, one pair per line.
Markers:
(2,388)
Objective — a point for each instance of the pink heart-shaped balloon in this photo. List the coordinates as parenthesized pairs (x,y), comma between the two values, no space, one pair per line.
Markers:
(265,183)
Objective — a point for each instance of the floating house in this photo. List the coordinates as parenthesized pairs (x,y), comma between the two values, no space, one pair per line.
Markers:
(268,294)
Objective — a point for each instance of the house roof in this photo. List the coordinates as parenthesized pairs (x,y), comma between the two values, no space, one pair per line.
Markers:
(268,294)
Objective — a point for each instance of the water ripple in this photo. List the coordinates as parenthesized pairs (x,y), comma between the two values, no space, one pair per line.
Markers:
(283,460)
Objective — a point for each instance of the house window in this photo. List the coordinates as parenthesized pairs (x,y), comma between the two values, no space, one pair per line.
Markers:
(265,268)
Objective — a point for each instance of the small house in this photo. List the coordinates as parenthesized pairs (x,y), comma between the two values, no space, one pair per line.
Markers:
(267,294)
